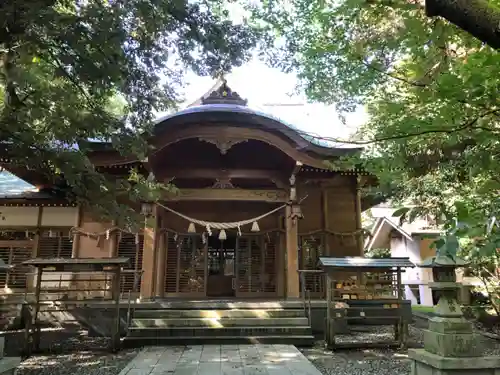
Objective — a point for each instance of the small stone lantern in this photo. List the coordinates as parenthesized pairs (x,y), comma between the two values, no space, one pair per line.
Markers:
(449,334)
(450,344)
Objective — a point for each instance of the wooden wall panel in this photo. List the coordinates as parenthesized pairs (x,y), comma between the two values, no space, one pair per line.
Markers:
(90,247)
(19,216)
(341,213)
(311,208)
(59,216)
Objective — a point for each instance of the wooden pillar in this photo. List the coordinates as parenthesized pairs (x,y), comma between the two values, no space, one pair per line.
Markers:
(161,261)
(148,283)
(113,243)
(75,249)
(359,226)
(31,279)
(324,221)
(281,267)
(292,255)
(292,239)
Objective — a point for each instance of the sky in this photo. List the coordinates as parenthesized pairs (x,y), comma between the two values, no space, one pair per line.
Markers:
(262,85)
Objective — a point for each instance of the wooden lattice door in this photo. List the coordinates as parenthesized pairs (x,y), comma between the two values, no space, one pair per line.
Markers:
(15,248)
(311,248)
(256,266)
(131,246)
(186,272)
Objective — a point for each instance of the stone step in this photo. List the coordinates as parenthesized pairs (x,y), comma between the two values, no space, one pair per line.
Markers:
(227,313)
(218,331)
(227,304)
(211,322)
(297,340)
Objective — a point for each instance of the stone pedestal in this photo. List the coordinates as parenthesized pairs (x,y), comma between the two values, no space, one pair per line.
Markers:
(450,345)
(8,365)
(425,363)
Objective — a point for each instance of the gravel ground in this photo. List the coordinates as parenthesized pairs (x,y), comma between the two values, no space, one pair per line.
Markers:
(373,361)
(73,353)
(69,353)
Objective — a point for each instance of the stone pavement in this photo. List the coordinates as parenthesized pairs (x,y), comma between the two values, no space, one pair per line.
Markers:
(221,359)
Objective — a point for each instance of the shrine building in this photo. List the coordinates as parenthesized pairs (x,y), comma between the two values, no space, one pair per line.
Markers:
(255,203)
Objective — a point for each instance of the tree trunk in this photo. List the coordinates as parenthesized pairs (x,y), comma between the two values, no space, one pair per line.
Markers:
(477,17)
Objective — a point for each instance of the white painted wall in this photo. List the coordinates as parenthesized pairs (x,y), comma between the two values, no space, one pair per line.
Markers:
(403,247)
(18,216)
(28,216)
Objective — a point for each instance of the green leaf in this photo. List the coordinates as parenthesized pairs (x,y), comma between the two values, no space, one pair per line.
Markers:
(401,211)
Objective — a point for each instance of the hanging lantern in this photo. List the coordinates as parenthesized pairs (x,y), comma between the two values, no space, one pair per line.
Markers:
(146,208)
(107,234)
(209,231)
(222,235)
(239,231)
(296,212)
(204,238)
(255,227)
(191,228)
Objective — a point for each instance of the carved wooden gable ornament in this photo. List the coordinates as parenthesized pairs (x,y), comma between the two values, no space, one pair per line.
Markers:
(224,95)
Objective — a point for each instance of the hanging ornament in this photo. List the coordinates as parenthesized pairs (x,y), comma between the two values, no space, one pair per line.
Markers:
(175,236)
(27,234)
(204,238)
(255,227)
(239,231)
(51,234)
(209,231)
(222,235)
(191,228)
(107,234)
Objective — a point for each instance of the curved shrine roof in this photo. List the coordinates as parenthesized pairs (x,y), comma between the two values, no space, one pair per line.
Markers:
(223,105)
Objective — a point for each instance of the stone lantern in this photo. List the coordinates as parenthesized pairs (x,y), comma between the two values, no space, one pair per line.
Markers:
(450,344)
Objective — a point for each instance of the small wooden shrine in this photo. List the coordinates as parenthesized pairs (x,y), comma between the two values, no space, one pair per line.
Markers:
(365,291)
(256,203)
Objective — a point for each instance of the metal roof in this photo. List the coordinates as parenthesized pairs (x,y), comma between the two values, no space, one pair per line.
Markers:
(360,262)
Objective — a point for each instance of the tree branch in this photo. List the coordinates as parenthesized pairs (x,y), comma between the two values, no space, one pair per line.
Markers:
(468,125)
(478,17)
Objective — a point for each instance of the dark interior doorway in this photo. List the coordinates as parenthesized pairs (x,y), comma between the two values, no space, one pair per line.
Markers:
(221,267)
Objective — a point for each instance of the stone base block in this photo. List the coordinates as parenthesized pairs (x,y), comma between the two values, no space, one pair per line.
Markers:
(425,363)
(452,344)
(8,365)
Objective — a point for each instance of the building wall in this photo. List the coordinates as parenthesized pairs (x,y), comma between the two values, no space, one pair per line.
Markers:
(27,217)
(332,209)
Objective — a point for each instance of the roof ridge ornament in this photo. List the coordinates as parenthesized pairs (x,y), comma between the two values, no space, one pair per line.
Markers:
(224,95)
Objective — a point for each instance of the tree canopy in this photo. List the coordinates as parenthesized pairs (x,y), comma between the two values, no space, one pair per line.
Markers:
(74,70)
(431,91)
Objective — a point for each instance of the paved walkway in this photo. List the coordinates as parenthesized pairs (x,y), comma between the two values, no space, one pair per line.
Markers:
(221,359)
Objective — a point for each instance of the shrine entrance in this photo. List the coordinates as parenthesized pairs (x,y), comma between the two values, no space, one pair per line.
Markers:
(221,267)
(238,266)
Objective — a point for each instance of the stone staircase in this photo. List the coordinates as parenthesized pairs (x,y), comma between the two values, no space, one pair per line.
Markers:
(219,322)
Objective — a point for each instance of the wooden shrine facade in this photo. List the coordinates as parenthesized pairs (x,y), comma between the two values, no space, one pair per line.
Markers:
(229,164)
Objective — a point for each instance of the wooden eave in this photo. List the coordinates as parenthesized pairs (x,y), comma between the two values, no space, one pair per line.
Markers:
(24,202)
